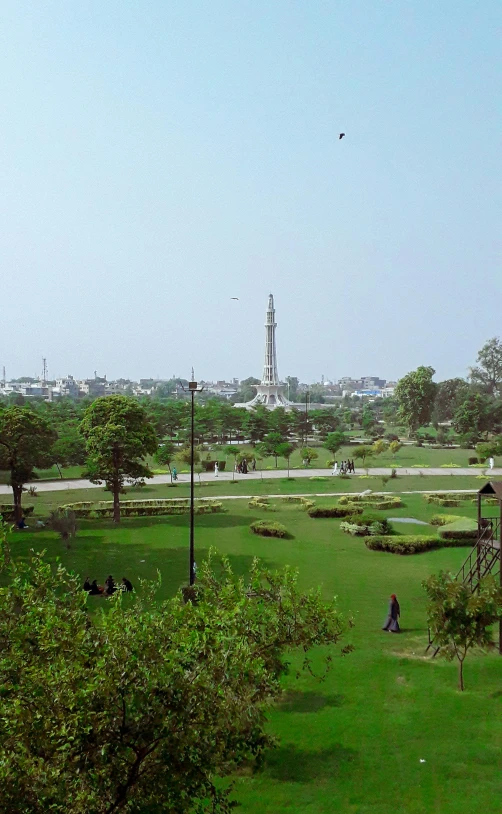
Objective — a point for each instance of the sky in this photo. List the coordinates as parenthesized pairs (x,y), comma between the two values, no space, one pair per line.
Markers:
(158,158)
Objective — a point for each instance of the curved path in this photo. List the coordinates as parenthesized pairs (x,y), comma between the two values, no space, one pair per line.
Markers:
(81,483)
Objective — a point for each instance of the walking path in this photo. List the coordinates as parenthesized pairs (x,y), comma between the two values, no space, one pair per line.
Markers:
(81,483)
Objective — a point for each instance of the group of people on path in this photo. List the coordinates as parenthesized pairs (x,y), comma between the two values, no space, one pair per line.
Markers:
(346,468)
(109,588)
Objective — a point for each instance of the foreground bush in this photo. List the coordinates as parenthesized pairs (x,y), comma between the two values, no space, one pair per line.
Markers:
(268,528)
(412,544)
(333,511)
(143,705)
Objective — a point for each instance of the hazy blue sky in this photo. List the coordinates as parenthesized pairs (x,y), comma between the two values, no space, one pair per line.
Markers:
(157,158)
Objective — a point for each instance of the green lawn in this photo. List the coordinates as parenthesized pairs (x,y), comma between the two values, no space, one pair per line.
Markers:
(352,744)
(45,501)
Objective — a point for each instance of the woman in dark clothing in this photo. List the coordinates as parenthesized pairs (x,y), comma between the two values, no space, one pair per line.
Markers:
(110,586)
(127,584)
(87,584)
(392,623)
(95,591)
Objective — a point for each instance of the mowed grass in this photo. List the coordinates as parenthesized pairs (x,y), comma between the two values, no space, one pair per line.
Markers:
(353,743)
(47,500)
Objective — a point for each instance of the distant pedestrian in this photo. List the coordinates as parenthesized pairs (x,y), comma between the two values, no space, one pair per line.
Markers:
(216,469)
(352,467)
(175,473)
(253,464)
(335,468)
(244,467)
(392,623)
(343,469)
(492,463)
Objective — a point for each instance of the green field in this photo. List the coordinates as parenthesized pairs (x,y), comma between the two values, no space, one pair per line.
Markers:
(47,500)
(352,744)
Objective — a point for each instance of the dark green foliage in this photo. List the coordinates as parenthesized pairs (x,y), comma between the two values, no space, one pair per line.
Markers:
(458,534)
(415,394)
(268,528)
(143,706)
(7,511)
(333,511)
(412,544)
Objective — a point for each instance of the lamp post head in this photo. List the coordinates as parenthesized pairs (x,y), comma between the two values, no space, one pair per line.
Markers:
(192,386)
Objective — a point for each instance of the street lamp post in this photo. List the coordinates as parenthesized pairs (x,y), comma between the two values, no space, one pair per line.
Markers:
(307,396)
(192,389)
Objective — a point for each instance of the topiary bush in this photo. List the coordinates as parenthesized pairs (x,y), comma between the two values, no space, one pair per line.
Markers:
(333,511)
(443,519)
(377,502)
(268,528)
(143,508)
(412,544)
(446,533)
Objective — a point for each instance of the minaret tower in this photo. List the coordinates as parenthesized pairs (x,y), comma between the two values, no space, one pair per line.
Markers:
(270,393)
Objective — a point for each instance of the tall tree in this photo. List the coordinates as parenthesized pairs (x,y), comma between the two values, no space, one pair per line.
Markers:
(26,442)
(119,435)
(415,395)
(144,706)
(335,441)
(472,415)
(488,371)
(449,395)
(460,619)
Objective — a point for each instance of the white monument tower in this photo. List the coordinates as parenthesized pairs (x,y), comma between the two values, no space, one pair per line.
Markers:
(270,393)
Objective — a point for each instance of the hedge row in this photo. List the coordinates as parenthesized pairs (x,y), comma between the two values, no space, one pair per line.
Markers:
(458,534)
(7,511)
(145,511)
(307,504)
(255,503)
(443,519)
(412,544)
(376,502)
(267,528)
(434,497)
(140,504)
(333,511)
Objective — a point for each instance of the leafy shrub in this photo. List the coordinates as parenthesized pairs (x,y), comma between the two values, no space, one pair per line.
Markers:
(353,528)
(411,544)
(32,491)
(267,528)
(255,500)
(443,519)
(377,502)
(472,460)
(458,534)
(333,511)
(64,521)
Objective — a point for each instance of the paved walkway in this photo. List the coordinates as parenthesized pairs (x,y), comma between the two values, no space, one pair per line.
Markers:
(60,485)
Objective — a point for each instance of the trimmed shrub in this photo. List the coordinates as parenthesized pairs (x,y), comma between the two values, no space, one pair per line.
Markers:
(376,502)
(411,544)
(143,508)
(433,497)
(267,528)
(472,460)
(458,534)
(260,504)
(443,519)
(303,501)
(333,511)
(7,511)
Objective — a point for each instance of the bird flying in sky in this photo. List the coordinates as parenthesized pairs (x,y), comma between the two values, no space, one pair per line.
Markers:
(341,136)
(234,298)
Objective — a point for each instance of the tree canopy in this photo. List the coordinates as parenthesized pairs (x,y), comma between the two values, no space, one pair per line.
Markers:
(488,371)
(141,706)
(26,441)
(415,394)
(118,436)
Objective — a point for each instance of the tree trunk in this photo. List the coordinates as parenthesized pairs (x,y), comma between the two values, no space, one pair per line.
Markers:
(17,491)
(116,503)
(461,675)
(59,470)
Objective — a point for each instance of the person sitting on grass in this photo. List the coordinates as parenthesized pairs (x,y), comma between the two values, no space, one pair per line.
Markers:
(87,584)
(127,585)
(21,524)
(95,588)
(110,586)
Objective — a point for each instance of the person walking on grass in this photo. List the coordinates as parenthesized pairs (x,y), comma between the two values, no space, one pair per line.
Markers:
(392,622)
